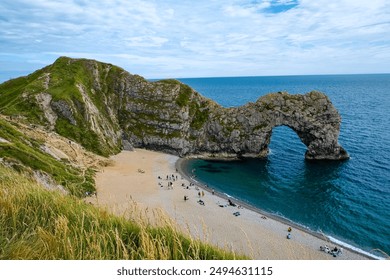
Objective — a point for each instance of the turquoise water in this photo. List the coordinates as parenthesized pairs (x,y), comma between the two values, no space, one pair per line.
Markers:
(350,200)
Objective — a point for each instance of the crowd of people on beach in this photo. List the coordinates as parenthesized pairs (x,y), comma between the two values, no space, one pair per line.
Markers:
(170,179)
(168,182)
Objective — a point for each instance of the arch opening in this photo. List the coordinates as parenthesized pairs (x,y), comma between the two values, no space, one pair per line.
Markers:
(286,143)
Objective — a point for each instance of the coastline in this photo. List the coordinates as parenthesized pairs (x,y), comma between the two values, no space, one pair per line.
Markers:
(182,170)
(139,178)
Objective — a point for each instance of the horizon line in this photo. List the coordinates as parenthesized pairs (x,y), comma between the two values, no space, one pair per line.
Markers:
(2,79)
(253,76)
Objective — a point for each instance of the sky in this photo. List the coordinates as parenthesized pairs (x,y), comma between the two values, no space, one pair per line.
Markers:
(203,38)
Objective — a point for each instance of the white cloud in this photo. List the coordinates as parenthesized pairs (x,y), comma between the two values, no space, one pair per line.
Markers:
(217,38)
(146,41)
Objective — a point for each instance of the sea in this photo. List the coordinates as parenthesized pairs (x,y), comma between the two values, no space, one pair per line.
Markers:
(348,201)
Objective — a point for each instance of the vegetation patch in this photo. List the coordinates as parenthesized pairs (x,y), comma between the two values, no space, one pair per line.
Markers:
(25,151)
(185,92)
(200,115)
(81,133)
(46,225)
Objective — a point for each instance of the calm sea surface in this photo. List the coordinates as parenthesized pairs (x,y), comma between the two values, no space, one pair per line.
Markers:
(350,200)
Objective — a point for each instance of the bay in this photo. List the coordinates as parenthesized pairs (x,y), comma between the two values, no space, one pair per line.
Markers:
(349,200)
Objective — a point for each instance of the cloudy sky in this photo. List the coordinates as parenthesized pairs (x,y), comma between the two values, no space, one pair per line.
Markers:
(172,38)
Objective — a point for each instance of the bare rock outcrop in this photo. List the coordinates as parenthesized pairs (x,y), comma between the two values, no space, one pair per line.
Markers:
(203,128)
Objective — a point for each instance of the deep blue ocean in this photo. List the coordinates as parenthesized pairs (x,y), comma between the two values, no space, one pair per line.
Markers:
(348,201)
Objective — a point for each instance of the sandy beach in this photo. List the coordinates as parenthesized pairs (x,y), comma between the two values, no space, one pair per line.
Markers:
(151,181)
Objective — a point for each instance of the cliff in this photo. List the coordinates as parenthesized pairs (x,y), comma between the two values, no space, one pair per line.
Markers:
(105,109)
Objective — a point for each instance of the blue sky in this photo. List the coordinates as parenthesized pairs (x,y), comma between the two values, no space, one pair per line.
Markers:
(173,39)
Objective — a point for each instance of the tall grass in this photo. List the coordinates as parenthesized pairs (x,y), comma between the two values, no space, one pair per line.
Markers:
(39,224)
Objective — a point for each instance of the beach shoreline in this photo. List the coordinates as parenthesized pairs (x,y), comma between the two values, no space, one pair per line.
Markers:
(182,170)
(155,180)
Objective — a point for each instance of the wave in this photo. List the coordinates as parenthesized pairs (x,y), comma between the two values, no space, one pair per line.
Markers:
(353,248)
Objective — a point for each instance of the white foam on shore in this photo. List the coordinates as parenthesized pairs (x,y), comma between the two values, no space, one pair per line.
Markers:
(349,246)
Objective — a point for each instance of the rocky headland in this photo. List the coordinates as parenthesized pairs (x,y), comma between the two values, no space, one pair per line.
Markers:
(106,109)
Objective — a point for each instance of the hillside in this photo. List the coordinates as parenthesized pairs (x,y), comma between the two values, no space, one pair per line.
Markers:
(45,225)
(40,151)
(53,160)
(106,109)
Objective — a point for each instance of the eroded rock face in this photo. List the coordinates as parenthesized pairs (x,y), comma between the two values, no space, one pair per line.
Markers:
(246,131)
(200,127)
(105,108)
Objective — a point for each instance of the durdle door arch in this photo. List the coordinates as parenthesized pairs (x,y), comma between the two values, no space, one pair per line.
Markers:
(314,119)
(311,116)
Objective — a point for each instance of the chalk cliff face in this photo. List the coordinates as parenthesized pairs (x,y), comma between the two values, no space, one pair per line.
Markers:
(107,109)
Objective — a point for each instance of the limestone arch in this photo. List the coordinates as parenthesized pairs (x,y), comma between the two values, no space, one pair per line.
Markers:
(246,131)
(312,117)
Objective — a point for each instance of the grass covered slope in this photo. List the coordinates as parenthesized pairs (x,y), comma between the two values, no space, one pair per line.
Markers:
(71,97)
(98,105)
(23,147)
(39,224)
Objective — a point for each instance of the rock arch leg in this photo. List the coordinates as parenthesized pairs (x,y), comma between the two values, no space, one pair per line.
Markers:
(322,144)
